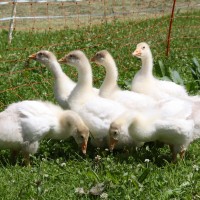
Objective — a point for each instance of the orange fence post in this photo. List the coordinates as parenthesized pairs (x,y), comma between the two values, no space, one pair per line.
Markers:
(170,28)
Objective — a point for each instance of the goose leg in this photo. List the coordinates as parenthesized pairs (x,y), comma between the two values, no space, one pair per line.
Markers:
(182,154)
(13,157)
(174,157)
(171,148)
(26,158)
(174,154)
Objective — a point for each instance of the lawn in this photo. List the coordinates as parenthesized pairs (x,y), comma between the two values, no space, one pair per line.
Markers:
(59,170)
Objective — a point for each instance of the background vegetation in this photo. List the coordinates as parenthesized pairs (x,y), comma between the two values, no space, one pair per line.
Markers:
(59,170)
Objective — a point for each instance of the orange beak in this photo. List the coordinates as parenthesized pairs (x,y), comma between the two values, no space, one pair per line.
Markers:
(62,60)
(84,147)
(112,144)
(33,56)
(137,52)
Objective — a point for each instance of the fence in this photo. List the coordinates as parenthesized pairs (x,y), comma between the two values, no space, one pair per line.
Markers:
(33,18)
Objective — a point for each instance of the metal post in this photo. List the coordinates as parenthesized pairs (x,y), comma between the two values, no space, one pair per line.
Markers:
(12,21)
(170,28)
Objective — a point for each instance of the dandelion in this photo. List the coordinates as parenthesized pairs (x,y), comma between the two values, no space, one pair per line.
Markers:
(147,160)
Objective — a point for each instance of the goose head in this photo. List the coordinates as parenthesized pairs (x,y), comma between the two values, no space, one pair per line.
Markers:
(81,135)
(114,135)
(142,50)
(43,56)
(74,58)
(101,57)
(75,126)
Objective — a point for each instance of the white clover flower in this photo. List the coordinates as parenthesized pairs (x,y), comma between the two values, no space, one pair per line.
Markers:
(97,158)
(79,191)
(63,164)
(104,195)
(46,175)
(147,148)
(196,167)
(147,160)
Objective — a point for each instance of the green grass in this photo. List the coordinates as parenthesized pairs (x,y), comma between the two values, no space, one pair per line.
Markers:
(58,169)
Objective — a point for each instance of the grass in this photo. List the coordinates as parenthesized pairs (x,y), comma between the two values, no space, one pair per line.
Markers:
(58,169)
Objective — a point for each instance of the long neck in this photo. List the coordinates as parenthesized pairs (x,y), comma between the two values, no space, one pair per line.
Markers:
(110,81)
(55,69)
(84,84)
(147,65)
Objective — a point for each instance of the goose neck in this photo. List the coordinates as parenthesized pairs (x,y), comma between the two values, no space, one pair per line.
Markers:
(55,69)
(147,65)
(110,81)
(84,84)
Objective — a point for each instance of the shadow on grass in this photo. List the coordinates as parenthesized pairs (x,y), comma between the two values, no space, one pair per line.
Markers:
(48,149)
(154,152)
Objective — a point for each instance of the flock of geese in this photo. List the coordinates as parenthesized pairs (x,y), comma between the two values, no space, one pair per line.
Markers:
(154,110)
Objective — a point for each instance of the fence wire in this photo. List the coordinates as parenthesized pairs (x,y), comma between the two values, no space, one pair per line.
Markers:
(42,17)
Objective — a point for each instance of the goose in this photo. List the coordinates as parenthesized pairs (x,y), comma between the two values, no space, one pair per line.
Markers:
(144,82)
(152,126)
(172,107)
(24,124)
(97,112)
(110,89)
(63,85)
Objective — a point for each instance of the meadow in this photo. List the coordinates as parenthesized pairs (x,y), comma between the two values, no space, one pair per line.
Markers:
(59,170)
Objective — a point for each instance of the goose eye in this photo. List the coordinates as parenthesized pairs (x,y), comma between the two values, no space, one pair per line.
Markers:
(98,56)
(72,56)
(143,47)
(115,133)
(40,54)
(82,137)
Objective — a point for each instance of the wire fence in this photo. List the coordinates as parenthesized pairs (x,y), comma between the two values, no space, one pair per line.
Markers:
(33,17)
(54,15)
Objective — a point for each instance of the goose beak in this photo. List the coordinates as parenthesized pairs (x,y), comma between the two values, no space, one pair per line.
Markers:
(84,147)
(137,52)
(33,56)
(112,144)
(62,60)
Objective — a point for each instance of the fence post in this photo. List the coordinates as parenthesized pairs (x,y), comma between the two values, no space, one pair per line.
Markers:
(12,21)
(170,28)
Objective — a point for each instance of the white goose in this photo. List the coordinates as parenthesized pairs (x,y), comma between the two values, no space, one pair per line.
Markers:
(110,89)
(63,84)
(25,123)
(144,81)
(153,126)
(96,111)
